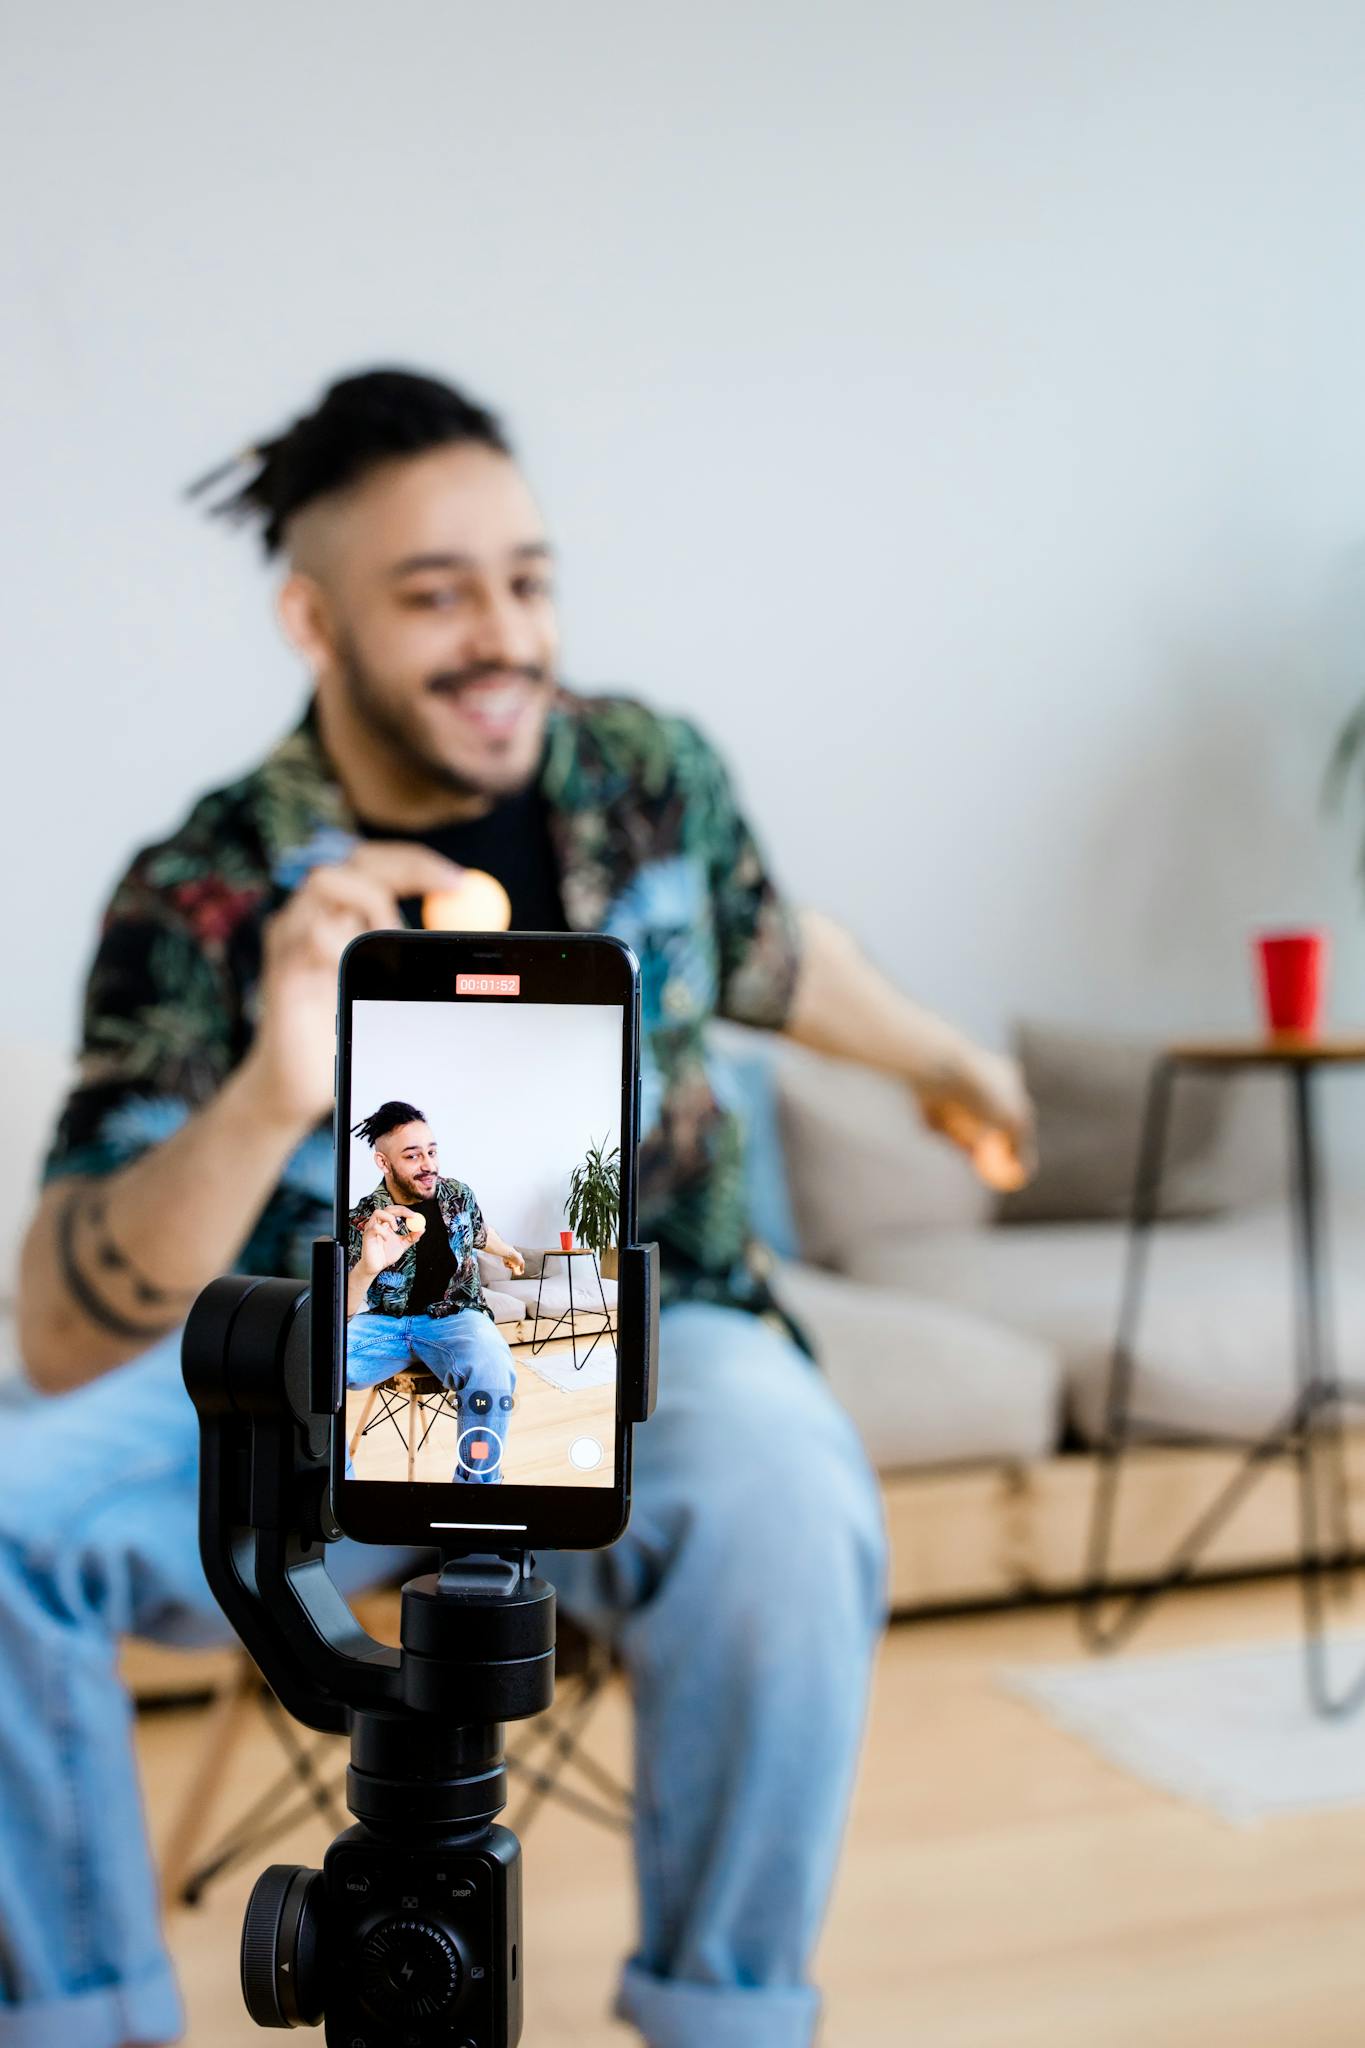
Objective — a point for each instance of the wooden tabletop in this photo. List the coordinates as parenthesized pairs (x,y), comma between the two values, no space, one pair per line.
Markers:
(1289,1050)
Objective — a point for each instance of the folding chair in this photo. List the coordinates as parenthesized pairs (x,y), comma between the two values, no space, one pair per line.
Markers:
(312,1774)
(412,1400)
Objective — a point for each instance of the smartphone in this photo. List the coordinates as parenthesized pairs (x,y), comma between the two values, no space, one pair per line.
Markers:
(486,1141)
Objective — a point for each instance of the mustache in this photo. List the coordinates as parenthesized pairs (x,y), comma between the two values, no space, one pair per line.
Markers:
(452,679)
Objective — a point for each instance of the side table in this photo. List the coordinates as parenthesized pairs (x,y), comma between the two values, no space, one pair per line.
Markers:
(1311,1431)
(571,1313)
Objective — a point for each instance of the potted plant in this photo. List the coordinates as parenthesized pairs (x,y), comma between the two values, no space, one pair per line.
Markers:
(594,1204)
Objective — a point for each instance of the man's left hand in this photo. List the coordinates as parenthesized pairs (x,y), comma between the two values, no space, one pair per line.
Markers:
(514,1262)
(979,1101)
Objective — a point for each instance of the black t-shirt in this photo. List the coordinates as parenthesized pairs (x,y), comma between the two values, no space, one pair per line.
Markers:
(511,842)
(435,1262)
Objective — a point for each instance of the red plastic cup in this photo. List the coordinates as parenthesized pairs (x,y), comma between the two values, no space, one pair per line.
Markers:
(566,1240)
(1293,975)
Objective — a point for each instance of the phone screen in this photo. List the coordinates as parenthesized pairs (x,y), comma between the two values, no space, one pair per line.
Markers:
(482,1170)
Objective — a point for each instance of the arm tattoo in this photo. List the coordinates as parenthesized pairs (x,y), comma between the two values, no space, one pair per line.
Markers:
(108,1255)
(91,1304)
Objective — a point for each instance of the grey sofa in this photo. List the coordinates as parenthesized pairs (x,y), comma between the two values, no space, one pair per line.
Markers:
(972,1347)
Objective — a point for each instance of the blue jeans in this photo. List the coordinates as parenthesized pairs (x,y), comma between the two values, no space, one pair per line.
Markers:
(745,1600)
(468,1352)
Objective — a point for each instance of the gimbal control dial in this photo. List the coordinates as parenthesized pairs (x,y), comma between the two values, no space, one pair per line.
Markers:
(409,1969)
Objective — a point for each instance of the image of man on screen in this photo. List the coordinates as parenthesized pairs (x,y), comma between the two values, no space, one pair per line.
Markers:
(414,1296)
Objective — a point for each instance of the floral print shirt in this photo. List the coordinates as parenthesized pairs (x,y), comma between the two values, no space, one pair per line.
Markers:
(651,846)
(390,1290)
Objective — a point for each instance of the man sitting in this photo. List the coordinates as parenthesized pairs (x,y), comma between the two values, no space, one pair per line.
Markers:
(745,1598)
(414,1296)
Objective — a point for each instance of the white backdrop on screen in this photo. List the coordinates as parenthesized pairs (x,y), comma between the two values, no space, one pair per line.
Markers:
(514,1097)
(957,408)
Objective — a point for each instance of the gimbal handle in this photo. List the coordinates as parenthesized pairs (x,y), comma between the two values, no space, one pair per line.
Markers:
(265,1371)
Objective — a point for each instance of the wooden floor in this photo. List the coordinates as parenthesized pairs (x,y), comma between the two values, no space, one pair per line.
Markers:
(545,1421)
(1002,1887)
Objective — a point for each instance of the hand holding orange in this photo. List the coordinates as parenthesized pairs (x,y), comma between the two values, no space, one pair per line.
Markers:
(478,903)
(991,1150)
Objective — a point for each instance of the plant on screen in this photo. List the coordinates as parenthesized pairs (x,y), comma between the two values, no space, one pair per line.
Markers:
(595,1198)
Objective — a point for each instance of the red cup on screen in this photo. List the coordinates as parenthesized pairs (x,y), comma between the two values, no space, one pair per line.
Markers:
(566,1240)
(1293,975)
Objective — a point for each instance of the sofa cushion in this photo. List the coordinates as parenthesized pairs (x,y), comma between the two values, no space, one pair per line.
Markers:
(742,1067)
(507,1308)
(1215,1340)
(926,1383)
(859,1158)
(494,1272)
(1224,1142)
(554,1295)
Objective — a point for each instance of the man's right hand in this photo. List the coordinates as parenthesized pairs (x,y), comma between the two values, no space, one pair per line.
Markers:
(381,1244)
(290,1062)
(185,1208)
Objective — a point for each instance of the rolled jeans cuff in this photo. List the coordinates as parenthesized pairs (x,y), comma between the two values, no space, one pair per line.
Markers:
(672,2014)
(138,2009)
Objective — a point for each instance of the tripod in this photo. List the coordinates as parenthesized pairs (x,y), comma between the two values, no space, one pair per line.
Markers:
(410,1934)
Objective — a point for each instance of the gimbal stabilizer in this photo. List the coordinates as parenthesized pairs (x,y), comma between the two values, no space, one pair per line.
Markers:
(410,1934)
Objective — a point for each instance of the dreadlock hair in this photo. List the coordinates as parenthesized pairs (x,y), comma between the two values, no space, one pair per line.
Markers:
(387,1118)
(360,422)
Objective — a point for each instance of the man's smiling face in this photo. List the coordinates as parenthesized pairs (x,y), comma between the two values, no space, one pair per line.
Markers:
(406,1156)
(433,579)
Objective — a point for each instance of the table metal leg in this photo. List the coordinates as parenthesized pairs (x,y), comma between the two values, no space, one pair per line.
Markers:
(1099,1632)
(579,1363)
(537,1348)
(1312,1432)
(568,1317)
(1319,1441)
(1109,1615)
(607,1327)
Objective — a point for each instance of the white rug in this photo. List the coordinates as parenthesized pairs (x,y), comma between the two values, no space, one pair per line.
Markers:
(555,1362)
(1230,1730)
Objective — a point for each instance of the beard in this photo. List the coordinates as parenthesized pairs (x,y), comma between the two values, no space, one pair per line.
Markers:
(401,731)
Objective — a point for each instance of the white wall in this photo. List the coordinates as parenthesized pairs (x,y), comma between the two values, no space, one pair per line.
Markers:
(514,1097)
(956,406)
